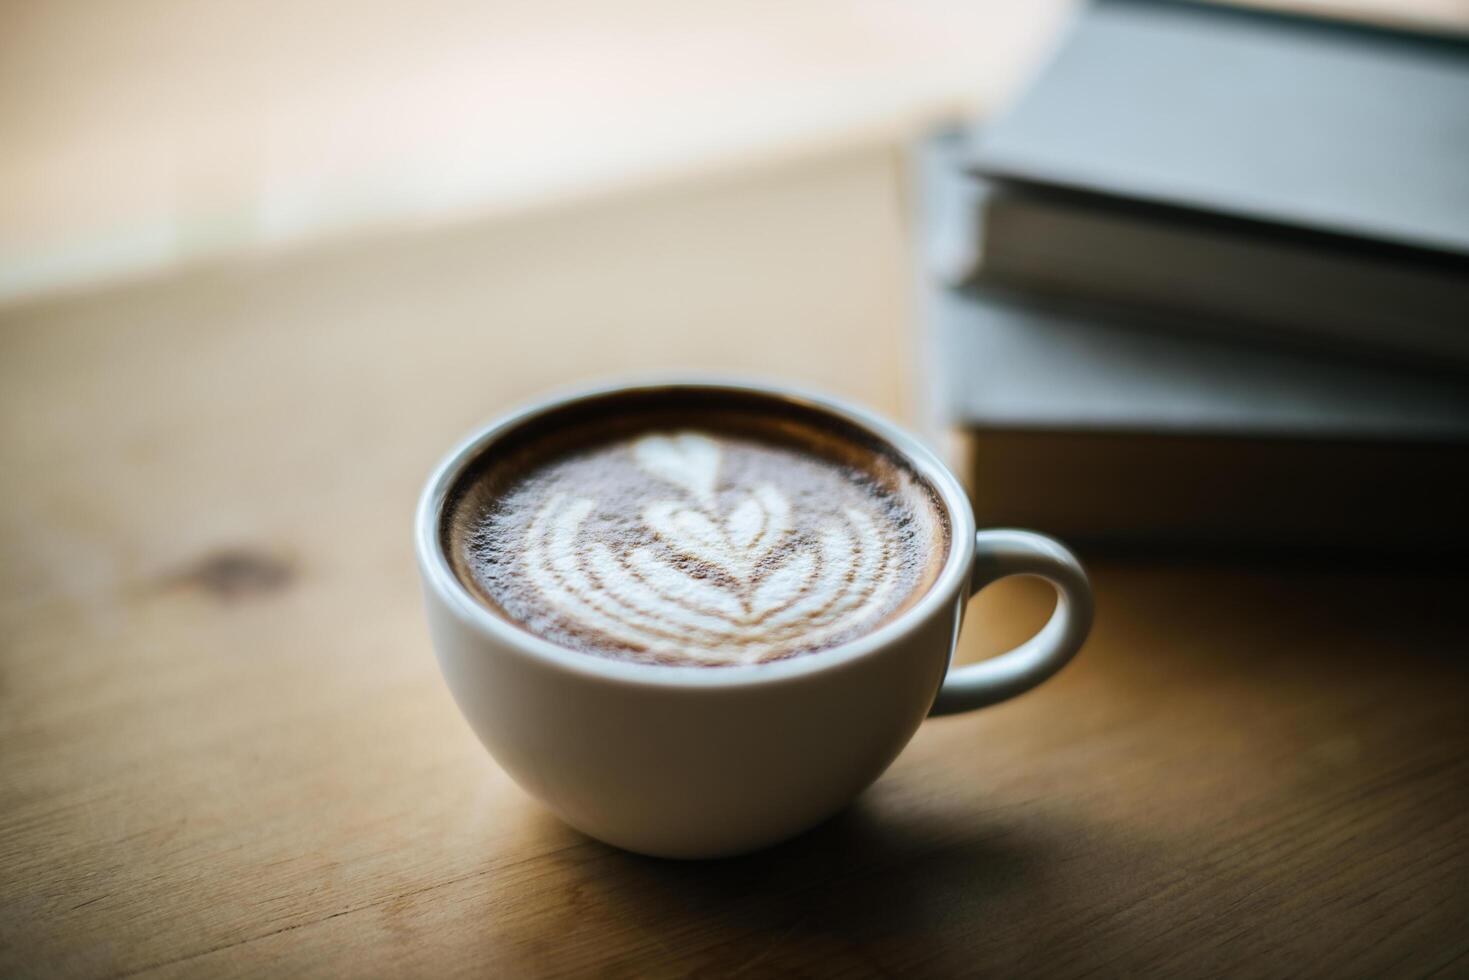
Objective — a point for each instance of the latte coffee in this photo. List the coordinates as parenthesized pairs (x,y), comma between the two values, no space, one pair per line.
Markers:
(713,530)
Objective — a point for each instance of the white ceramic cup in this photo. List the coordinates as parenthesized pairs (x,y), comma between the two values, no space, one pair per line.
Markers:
(692,762)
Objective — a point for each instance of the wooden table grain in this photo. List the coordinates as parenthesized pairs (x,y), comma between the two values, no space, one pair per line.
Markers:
(225,748)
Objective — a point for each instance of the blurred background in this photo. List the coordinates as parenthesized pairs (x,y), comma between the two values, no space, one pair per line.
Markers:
(154,133)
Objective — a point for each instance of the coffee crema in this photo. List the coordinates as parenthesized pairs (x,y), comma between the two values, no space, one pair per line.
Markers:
(712,539)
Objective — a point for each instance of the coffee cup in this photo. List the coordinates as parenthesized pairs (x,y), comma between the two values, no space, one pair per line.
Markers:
(688,760)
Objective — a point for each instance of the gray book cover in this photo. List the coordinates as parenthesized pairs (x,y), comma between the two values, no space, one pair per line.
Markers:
(1008,361)
(1214,279)
(1122,434)
(1322,128)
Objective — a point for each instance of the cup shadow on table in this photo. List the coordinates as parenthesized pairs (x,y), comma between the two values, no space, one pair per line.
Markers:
(867,879)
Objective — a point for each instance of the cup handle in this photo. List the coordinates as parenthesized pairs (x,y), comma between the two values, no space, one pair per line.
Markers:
(998,554)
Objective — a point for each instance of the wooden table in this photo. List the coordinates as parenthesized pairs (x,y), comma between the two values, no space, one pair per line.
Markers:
(225,747)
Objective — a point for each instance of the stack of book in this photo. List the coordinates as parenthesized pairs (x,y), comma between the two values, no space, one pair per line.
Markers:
(1206,284)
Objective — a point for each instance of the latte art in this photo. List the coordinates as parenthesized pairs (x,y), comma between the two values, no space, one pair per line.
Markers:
(698,547)
(772,589)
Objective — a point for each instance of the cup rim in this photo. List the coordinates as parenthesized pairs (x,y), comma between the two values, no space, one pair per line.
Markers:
(440,577)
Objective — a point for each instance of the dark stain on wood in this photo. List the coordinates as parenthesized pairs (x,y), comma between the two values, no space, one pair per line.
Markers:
(237,574)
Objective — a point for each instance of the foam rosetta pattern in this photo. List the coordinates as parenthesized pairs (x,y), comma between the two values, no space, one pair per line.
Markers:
(724,574)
